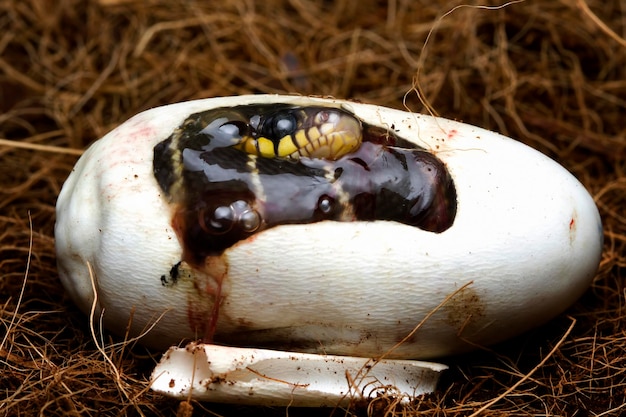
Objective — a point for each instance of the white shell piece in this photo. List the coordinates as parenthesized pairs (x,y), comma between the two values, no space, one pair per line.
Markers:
(277,378)
(525,243)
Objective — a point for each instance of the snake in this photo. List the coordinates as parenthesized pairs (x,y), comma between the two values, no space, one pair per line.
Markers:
(235,171)
(294,132)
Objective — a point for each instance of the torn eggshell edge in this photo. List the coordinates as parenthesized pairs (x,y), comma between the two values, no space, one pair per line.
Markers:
(225,374)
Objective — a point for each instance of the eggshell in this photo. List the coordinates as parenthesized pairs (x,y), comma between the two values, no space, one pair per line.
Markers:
(278,378)
(524,245)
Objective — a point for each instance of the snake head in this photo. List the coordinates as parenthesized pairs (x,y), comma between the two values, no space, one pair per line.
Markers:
(295,132)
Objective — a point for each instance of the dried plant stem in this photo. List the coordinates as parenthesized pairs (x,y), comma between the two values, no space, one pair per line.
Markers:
(21,296)
(603,26)
(40,148)
(529,374)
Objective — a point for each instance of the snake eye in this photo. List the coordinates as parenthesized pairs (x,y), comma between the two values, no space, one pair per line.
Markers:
(282,124)
(224,219)
(247,218)
(218,221)
(250,220)
(325,204)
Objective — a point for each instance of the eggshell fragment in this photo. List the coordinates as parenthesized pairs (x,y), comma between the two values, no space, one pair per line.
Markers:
(278,378)
(524,245)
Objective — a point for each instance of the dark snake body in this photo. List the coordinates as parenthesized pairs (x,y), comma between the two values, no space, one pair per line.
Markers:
(225,194)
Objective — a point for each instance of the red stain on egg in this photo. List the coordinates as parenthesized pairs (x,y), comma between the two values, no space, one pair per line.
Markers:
(196,317)
(216,268)
(572,227)
(142,132)
(139,129)
(452,133)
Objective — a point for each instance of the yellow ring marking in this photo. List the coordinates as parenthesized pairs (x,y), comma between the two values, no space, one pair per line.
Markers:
(329,140)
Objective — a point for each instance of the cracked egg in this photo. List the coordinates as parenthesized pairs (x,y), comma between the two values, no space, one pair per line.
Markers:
(321,226)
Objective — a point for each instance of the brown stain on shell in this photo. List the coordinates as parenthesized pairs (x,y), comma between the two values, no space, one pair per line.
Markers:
(464,311)
(202,286)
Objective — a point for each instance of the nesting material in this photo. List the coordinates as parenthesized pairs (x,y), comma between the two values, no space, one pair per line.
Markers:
(550,74)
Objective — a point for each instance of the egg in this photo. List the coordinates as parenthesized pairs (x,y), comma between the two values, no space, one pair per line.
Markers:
(190,223)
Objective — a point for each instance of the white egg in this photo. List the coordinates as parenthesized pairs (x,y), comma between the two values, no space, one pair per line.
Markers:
(524,245)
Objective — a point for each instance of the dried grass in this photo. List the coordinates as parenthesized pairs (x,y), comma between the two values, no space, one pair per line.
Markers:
(552,74)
